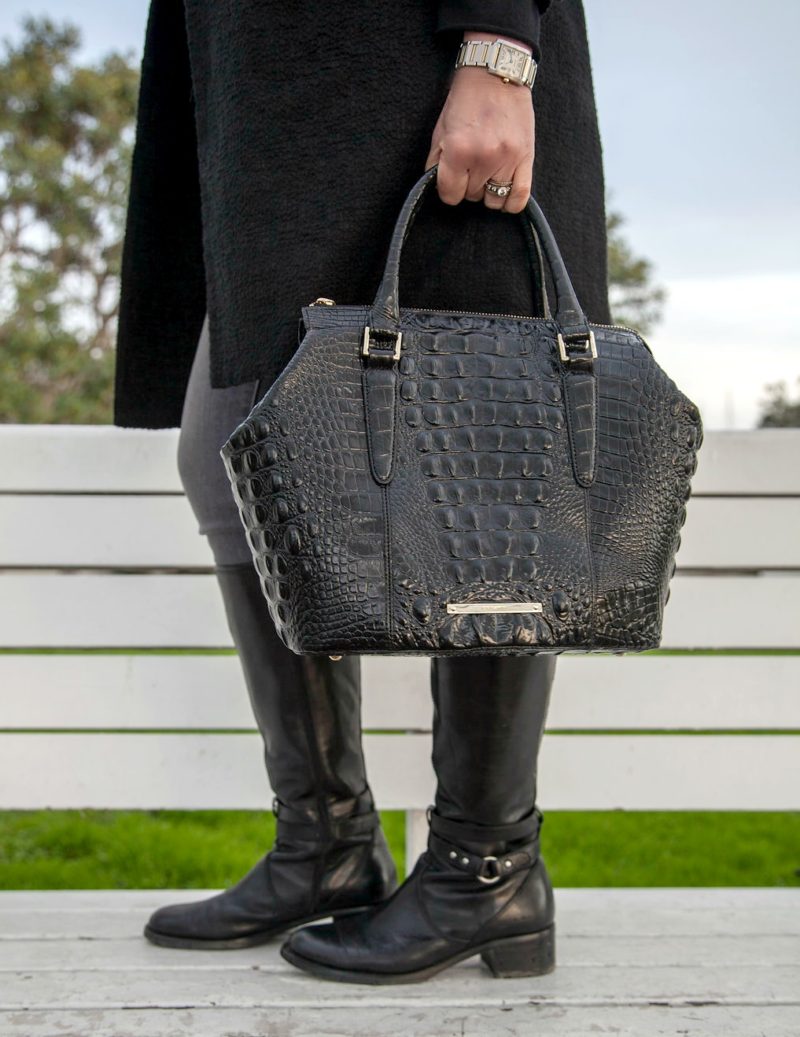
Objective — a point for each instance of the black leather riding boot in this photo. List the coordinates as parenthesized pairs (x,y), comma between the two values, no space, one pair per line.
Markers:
(481,887)
(330,855)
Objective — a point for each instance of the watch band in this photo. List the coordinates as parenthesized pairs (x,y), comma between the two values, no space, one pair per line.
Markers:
(512,63)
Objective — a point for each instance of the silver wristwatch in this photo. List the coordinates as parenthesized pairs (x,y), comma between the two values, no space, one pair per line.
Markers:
(512,63)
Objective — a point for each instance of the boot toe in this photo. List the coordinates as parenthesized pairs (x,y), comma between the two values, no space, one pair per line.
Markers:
(172,920)
(318,943)
(199,922)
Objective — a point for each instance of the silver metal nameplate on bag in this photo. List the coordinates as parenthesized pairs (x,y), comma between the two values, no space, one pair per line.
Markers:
(494,606)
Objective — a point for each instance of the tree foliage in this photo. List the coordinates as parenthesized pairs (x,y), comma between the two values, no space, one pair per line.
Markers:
(66,134)
(778,411)
(635,301)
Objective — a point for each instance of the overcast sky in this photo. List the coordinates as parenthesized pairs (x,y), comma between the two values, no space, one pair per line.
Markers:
(698,103)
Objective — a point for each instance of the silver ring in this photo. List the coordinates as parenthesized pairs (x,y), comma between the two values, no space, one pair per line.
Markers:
(499,187)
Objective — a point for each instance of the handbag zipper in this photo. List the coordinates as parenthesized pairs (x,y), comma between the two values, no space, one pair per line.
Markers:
(521,316)
(322,301)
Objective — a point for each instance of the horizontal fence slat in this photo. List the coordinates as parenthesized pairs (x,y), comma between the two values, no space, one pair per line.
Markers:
(86,458)
(101,610)
(185,692)
(41,609)
(749,462)
(740,533)
(576,772)
(101,530)
(161,531)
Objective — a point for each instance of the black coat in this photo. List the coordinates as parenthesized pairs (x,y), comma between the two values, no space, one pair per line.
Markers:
(275,145)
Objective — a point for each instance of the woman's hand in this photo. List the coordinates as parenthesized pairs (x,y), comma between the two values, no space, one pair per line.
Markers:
(485,130)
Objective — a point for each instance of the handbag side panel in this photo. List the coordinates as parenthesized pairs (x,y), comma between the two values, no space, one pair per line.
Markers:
(312,513)
(649,433)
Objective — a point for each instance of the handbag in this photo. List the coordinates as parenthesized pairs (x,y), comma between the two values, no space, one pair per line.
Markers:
(425,482)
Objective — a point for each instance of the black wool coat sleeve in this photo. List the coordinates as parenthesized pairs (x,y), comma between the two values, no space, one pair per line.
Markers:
(271,161)
(519,19)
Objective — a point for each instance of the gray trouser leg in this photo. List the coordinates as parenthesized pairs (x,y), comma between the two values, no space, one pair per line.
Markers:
(209,417)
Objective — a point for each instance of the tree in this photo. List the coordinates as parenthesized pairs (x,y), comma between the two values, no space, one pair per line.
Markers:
(66,138)
(778,411)
(635,302)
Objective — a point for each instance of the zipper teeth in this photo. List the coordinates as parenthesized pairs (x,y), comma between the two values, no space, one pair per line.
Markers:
(491,313)
(521,316)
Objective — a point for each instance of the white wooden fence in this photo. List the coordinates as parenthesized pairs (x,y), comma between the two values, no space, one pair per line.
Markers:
(102,572)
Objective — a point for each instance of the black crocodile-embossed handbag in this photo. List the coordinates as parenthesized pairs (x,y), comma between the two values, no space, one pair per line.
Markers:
(418,482)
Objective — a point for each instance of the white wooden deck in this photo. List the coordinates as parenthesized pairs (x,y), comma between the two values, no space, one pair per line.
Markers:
(696,962)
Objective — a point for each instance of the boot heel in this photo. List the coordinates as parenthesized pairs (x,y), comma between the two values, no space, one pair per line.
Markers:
(531,955)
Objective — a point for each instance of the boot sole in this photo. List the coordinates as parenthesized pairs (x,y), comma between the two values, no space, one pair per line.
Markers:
(238,942)
(532,954)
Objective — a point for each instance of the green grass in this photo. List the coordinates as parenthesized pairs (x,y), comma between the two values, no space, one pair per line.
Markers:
(92,849)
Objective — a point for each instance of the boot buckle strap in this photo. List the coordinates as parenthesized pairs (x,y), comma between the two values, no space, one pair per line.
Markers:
(486,874)
(528,828)
(359,824)
(327,829)
(489,869)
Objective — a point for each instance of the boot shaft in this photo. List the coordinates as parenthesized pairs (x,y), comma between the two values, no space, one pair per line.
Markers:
(307,708)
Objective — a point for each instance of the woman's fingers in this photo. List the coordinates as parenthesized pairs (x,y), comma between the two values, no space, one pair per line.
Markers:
(502,175)
(520,192)
(452,177)
(433,156)
(489,163)
(456,182)
(465,168)
(477,178)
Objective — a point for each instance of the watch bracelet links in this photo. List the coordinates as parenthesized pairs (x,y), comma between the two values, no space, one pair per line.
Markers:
(476,54)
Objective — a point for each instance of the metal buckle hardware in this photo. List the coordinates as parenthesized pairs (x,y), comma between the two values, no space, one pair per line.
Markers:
(365,348)
(589,349)
(491,879)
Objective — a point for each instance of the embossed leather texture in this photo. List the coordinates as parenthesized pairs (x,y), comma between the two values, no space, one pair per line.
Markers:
(491,490)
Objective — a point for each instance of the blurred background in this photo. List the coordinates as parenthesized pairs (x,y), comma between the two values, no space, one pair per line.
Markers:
(697,103)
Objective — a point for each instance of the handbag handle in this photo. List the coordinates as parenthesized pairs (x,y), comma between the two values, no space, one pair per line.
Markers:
(573,326)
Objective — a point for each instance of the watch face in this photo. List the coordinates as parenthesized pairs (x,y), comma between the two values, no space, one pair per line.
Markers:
(510,62)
